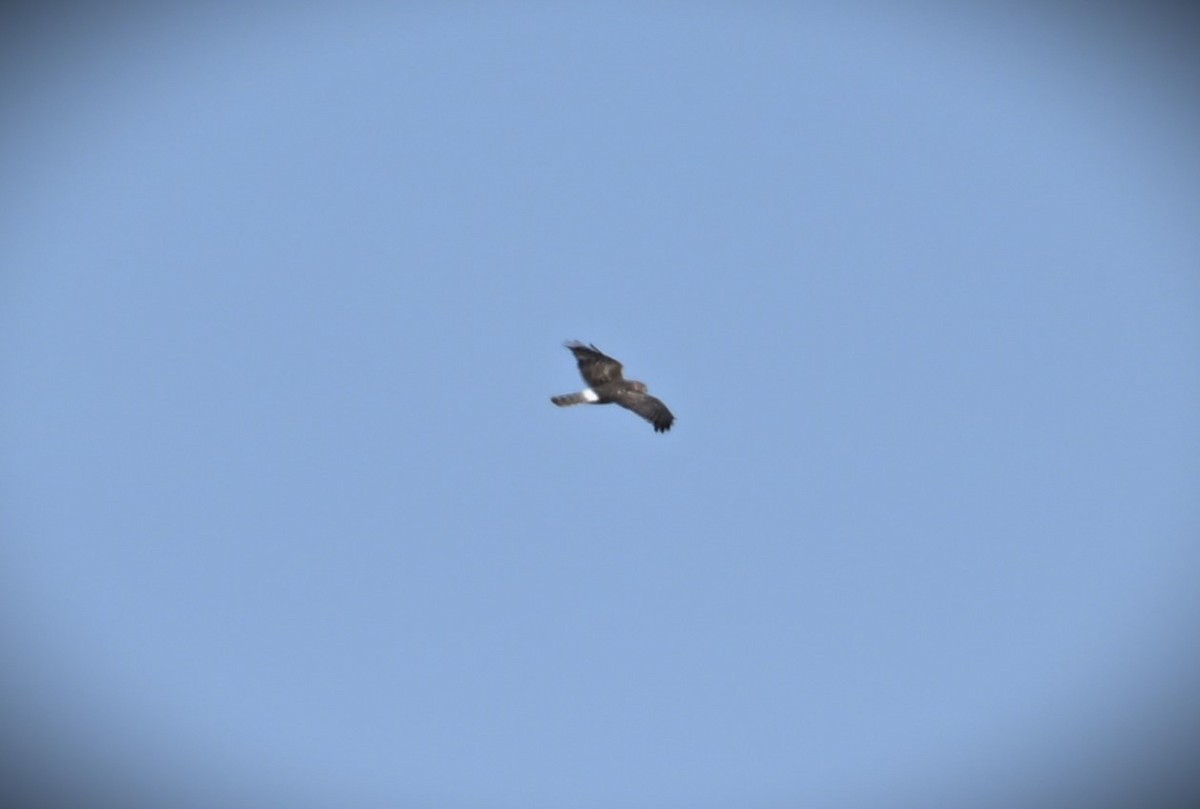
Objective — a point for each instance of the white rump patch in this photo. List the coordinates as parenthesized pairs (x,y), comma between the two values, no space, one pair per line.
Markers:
(589,395)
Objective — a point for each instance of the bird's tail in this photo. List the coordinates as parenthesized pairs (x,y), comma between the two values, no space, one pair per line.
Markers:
(568,399)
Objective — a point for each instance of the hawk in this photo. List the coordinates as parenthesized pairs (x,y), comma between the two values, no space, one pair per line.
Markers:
(607,386)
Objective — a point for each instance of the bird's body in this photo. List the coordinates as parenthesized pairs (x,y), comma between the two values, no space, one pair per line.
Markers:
(606,385)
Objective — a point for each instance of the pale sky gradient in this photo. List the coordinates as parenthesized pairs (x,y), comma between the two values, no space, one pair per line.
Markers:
(286,509)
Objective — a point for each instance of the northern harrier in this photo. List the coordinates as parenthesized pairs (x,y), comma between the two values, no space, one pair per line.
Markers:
(607,386)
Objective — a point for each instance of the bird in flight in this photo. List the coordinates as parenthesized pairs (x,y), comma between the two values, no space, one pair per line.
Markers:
(606,386)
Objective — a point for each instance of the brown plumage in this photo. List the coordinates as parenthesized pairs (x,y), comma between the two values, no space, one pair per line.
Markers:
(606,385)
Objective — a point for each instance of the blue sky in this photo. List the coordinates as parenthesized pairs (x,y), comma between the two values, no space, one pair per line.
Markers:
(287,510)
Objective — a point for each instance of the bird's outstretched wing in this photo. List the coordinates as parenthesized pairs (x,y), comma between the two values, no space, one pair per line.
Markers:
(595,367)
(648,407)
